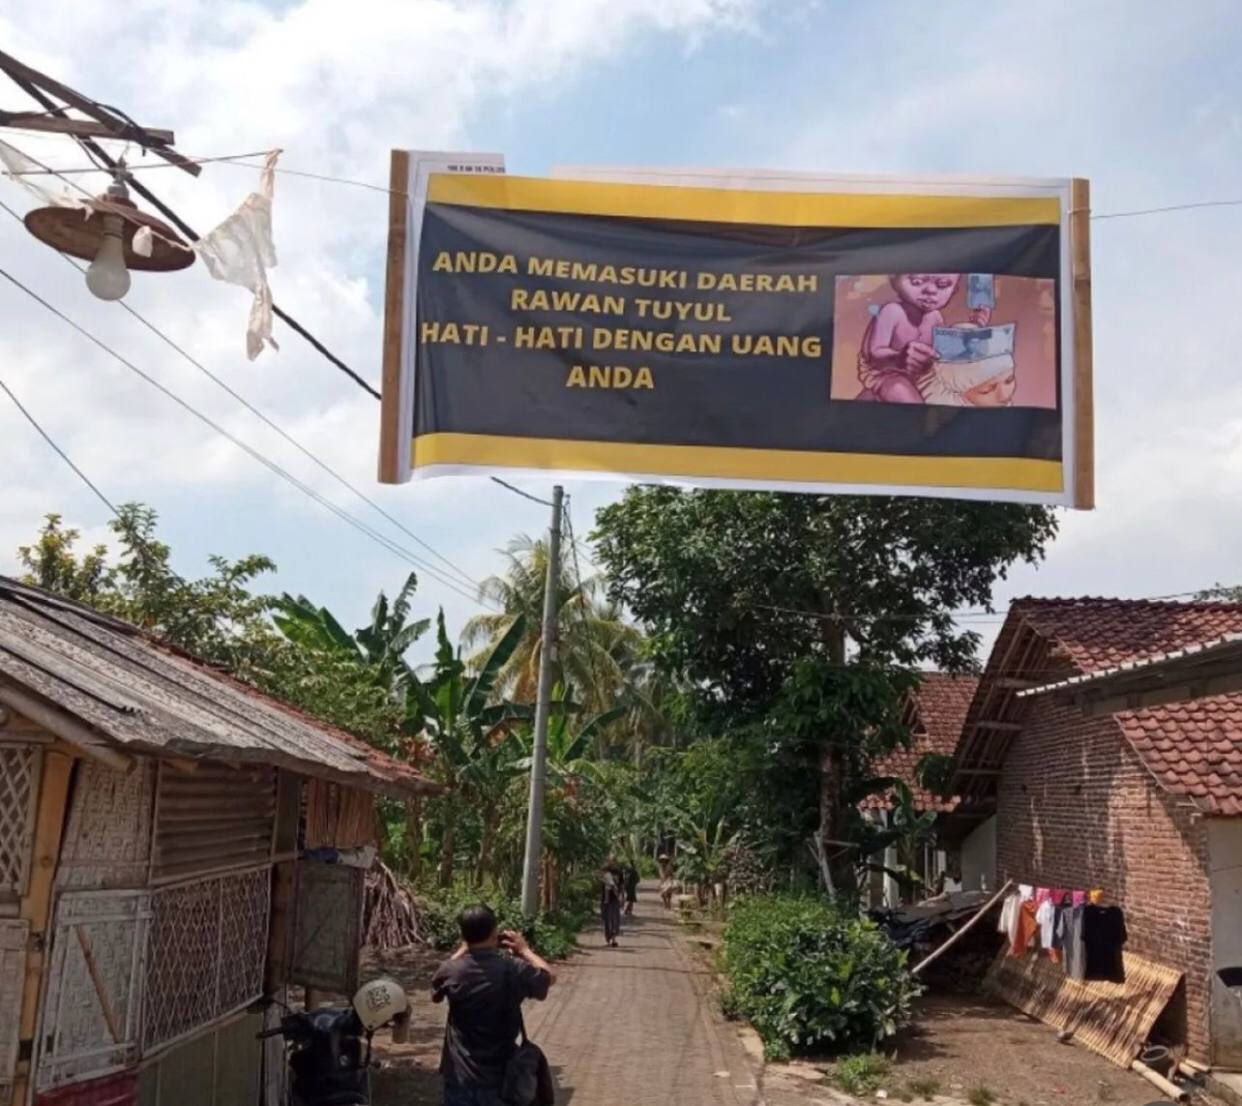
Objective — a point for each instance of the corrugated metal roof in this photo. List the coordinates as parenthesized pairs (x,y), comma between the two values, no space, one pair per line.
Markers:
(146,697)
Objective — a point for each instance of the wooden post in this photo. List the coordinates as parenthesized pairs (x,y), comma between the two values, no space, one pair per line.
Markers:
(1157,1080)
(1084,397)
(36,907)
(394,458)
(277,971)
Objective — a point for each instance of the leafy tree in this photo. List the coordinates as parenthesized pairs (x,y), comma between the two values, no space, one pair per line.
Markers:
(52,563)
(804,610)
(216,617)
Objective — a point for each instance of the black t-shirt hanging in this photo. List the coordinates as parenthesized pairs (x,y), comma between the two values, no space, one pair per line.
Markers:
(1103,934)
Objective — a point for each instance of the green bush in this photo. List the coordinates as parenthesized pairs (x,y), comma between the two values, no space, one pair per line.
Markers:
(553,936)
(810,977)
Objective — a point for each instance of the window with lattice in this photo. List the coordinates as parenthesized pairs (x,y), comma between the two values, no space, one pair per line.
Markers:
(19,791)
(205,952)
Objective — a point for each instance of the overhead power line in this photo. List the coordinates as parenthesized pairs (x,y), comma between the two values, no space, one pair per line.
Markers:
(518,491)
(99,155)
(59,452)
(220,383)
(381,539)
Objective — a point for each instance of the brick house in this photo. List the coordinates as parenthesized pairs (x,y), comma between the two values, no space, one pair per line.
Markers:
(1145,804)
(934,714)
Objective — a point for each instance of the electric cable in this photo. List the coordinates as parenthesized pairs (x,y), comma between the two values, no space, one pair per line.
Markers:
(390,545)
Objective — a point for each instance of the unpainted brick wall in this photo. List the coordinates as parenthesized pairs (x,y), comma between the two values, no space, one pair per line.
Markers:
(1077,809)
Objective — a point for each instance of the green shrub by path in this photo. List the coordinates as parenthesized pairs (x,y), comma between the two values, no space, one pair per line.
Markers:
(810,977)
(860,1074)
(552,935)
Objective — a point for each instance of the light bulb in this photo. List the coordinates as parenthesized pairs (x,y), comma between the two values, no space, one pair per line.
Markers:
(107,277)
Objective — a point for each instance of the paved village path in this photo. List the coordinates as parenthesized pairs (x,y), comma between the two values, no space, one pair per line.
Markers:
(639,1025)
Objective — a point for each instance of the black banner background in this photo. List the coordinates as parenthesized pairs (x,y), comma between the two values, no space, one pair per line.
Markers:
(719,400)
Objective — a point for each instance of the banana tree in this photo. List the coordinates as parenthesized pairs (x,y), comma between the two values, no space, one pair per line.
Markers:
(380,646)
(703,857)
(905,829)
(568,744)
(375,655)
(471,735)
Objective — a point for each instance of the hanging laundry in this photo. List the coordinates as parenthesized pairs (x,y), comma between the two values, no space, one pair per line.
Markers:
(1072,943)
(1079,898)
(1103,934)
(1008,924)
(1026,892)
(1046,916)
(1028,929)
(240,251)
(1042,895)
(1060,919)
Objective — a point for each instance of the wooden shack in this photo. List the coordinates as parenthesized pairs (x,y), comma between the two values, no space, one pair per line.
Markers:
(155,892)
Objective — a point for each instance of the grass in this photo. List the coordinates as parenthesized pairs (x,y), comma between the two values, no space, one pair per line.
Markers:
(926,1089)
(860,1074)
(980,1096)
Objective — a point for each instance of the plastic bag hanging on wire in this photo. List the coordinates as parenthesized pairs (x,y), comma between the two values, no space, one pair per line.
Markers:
(23,170)
(241,251)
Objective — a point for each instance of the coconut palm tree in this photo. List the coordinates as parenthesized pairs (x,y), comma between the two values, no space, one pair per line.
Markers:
(595,646)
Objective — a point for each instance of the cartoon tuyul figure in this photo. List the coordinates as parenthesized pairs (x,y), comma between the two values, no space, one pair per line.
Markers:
(897,353)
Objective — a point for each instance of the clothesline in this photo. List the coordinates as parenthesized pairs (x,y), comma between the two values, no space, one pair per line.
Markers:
(1071,927)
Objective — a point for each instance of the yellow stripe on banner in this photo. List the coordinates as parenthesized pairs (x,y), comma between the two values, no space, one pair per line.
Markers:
(787,465)
(726,205)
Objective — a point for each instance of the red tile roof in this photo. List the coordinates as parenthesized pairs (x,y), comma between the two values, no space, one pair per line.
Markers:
(1101,633)
(940,704)
(1191,748)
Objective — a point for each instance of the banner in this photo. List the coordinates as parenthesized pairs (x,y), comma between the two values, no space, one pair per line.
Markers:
(900,337)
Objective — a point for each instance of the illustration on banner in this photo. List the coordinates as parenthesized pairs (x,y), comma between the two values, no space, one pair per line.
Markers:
(947,339)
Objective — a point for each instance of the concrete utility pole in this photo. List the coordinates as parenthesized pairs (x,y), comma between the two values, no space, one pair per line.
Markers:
(539,757)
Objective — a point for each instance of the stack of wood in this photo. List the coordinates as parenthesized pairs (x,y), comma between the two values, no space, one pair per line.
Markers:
(961,969)
(390,916)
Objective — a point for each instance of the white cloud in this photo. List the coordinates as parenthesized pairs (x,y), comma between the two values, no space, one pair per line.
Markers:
(337,85)
(1138,95)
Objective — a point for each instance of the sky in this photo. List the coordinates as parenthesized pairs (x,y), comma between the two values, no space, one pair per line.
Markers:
(1139,96)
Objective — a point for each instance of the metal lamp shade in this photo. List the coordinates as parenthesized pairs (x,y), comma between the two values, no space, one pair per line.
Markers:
(72,231)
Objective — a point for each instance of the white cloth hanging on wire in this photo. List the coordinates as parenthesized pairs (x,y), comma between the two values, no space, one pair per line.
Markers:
(25,171)
(241,251)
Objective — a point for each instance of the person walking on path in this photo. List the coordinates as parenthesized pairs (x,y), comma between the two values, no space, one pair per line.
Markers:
(485,982)
(612,890)
(631,888)
(667,886)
